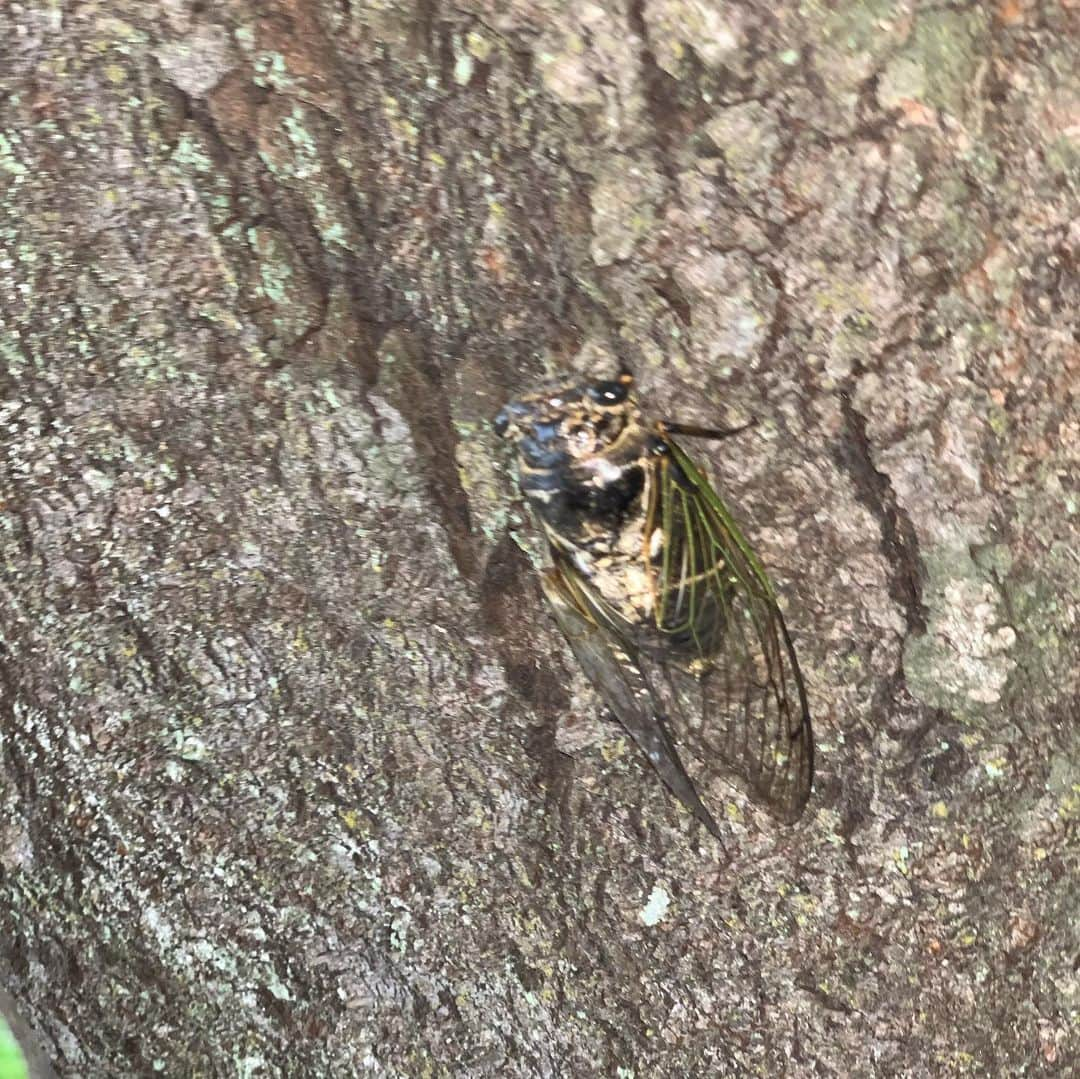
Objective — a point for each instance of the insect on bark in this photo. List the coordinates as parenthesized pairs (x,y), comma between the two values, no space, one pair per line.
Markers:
(662,600)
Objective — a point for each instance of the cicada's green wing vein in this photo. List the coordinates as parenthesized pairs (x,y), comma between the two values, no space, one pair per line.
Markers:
(753,690)
(613,666)
(706,491)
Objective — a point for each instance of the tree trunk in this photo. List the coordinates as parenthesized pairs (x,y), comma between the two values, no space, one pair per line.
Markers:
(297,776)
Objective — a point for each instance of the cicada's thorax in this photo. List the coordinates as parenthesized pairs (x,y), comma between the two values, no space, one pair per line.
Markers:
(617,525)
(602,512)
(596,512)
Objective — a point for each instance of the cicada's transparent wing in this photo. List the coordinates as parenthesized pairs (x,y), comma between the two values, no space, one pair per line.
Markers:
(741,694)
(613,665)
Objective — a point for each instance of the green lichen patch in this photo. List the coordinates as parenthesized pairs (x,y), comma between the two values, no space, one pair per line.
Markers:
(623,212)
(1041,606)
(855,38)
(963,661)
(284,284)
(938,63)
(748,138)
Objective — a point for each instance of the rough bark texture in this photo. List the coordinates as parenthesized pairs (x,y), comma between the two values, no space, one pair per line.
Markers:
(296,775)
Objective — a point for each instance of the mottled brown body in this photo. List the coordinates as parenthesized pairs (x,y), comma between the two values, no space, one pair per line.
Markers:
(659,595)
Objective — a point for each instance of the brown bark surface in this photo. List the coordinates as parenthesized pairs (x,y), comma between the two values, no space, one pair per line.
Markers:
(296,775)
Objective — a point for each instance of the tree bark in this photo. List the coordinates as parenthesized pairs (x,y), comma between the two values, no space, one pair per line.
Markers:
(296,775)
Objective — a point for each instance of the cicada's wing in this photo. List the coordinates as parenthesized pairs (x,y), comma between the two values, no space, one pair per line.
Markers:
(613,666)
(742,694)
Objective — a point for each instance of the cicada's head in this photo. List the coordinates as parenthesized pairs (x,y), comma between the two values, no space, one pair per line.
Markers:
(581,445)
(570,420)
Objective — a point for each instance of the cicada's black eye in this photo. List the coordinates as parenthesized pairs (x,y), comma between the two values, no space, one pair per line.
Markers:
(608,392)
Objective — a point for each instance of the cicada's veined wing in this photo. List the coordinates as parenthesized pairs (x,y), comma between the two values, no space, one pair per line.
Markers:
(613,665)
(739,686)
(662,600)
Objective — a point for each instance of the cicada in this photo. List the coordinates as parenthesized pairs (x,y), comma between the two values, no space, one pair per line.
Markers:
(661,598)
